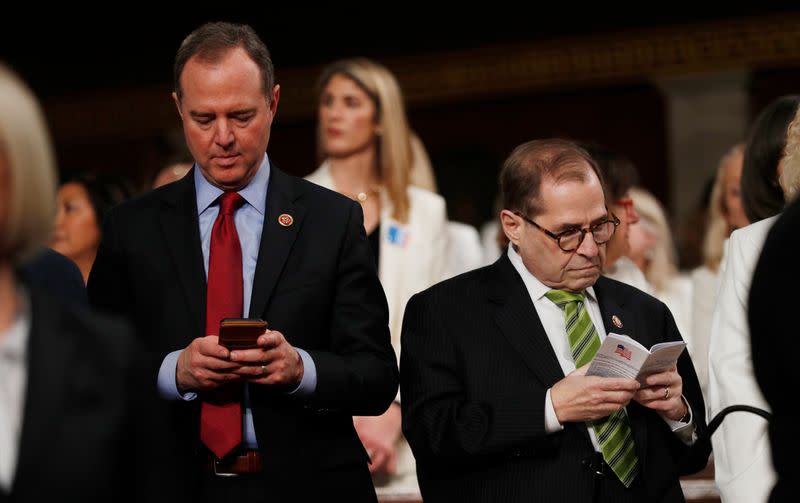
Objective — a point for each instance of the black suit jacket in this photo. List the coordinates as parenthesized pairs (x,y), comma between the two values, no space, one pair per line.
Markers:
(315,281)
(476,365)
(774,337)
(52,271)
(89,433)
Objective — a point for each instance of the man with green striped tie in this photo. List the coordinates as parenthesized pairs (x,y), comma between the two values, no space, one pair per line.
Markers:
(496,403)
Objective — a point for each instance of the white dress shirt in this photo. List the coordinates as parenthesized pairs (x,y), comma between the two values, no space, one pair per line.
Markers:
(552,318)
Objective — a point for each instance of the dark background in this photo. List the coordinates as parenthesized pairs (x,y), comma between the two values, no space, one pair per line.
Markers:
(126,52)
(125,46)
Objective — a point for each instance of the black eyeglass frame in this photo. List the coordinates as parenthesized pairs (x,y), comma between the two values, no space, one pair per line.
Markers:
(614,220)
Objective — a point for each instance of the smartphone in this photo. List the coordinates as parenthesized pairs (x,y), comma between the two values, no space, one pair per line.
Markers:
(240,333)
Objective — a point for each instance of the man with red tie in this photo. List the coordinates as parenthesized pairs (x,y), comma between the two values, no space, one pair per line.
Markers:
(239,238)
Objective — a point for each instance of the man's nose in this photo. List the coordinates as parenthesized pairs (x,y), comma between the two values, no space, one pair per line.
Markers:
(223,134)
(588,247)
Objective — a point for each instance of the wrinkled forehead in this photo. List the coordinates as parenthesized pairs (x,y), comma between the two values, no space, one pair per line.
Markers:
(573,200)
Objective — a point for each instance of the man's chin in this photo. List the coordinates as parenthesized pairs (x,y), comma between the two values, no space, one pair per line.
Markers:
(228,178)
(584,278)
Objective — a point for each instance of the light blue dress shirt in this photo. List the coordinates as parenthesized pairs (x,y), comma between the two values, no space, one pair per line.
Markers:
(249,220)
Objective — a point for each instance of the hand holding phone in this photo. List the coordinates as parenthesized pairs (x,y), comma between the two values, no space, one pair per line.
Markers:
(241,333)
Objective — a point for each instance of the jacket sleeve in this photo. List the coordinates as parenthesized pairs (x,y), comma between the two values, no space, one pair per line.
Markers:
(440,420)
(358,373)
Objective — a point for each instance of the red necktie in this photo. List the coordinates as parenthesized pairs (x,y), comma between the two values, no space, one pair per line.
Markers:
(221,411)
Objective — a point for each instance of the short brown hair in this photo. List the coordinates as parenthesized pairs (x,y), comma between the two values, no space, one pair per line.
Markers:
(530,163)
(212,40)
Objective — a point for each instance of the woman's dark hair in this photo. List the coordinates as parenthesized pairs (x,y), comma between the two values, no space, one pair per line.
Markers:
(619,172)
(762,196)
(104,191)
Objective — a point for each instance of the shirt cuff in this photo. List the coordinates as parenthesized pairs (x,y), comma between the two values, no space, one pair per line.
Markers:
(167,386)
(551,424)
(686,432)
(308,384)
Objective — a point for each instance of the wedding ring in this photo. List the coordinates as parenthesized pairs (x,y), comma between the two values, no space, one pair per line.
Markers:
(666,393)
(263,369)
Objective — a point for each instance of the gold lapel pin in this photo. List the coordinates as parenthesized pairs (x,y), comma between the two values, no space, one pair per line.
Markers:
(616,321)
(285,220)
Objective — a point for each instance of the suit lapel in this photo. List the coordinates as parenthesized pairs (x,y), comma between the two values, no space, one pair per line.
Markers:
(612,308)
(49,354)
(518,322)
(276,238)
(179,223)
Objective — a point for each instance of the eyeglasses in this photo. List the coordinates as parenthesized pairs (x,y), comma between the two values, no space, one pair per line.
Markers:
(571,239)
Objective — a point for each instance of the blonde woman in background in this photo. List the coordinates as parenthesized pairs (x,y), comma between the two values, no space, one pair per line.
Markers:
(365,146)
(725,215)
(652,249)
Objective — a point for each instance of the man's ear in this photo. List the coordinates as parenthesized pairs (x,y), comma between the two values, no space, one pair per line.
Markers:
(511,224)
(177,104)
(276,96)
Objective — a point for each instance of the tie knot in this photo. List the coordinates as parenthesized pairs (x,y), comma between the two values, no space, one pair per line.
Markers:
(229,202)
(562,298)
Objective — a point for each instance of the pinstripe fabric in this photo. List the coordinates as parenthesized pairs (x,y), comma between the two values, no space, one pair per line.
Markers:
(613,432)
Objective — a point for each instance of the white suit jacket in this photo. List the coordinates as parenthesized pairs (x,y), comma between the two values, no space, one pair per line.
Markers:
(464,250)
(742,457)
(625,271)
(705,285)
(412,257)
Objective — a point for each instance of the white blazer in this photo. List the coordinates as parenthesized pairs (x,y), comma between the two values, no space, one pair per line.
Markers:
(742,456)
(464,249)
(705,285)
(412,257)
(625,271)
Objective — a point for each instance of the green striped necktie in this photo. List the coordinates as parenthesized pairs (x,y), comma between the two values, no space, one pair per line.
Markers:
(613,432)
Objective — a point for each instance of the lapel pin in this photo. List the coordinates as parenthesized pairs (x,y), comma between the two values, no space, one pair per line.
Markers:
(285,220)
(616,321)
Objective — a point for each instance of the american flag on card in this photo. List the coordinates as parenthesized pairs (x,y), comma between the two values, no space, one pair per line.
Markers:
(623,352)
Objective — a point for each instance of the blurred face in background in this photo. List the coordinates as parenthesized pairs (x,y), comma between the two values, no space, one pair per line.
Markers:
(642,237)
(347,118)
(77,231)
(171,173)
(620,244)
(732,199)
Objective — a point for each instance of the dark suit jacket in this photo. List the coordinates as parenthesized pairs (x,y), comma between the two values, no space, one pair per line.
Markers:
(315,281)
(774,336)
(88,432)
(57,274)
(476,365)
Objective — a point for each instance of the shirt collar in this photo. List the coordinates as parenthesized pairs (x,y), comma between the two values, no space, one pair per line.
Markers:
(536,288)
(255,193)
